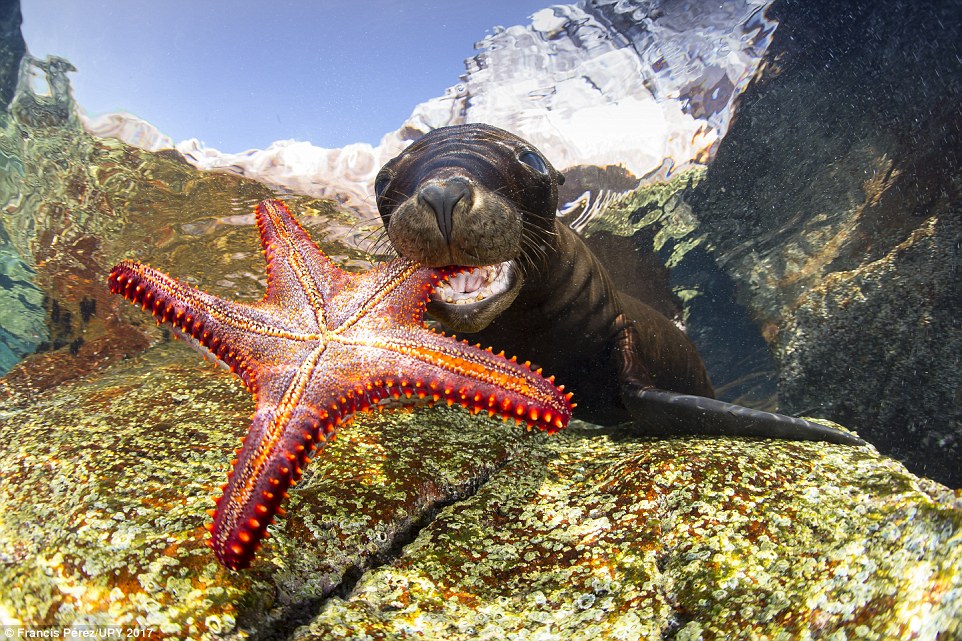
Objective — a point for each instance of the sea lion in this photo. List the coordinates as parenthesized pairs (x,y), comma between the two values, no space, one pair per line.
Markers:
(476,195)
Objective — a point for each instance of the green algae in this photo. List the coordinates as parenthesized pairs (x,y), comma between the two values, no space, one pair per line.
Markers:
(593,537)
(104,487)
(658,206)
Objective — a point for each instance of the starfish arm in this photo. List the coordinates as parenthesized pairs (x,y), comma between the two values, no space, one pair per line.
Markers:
(299,275)
(391,293)
(237,334)
(417,361)
(287,425)
(299,411)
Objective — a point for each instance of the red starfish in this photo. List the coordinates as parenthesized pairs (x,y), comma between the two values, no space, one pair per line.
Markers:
(321,345)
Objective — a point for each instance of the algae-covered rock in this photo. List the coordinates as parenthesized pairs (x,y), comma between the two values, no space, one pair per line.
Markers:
(912,297)
(587,536)
(834,204)
(104,484)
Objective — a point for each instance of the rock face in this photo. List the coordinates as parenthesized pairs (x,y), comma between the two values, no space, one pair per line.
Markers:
(835,204)
(21,323)
(587,537)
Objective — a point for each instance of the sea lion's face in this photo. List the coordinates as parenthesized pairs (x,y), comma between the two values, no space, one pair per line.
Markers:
(470,195)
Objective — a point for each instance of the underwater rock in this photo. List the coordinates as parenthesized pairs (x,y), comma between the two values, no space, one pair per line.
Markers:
(104,483)
(23,324)
(903,389)
(12,49)
(834,204)
(588,536)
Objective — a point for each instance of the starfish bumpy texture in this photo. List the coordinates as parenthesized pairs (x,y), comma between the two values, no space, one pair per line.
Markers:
(322,345)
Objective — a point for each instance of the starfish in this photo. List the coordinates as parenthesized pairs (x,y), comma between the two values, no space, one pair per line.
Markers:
(321,345)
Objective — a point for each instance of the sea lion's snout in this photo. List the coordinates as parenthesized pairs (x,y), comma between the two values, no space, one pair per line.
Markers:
(443,196)
(474,196)
(450,220)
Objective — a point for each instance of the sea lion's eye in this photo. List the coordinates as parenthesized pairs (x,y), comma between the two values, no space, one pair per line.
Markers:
(534,161)
(380,184)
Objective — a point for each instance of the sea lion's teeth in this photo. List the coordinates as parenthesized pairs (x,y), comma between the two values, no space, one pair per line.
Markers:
(475,285)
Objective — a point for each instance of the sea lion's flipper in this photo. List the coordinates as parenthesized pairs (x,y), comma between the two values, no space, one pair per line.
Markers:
(667,413)
(660,412)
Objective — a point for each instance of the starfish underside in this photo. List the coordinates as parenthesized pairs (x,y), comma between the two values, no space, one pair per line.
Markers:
(322,345)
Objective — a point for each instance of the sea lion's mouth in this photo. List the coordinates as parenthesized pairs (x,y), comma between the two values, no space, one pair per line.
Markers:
(469,301)
(475,285)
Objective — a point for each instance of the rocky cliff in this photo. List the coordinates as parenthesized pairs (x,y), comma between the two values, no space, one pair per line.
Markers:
(12,48)
(648,86)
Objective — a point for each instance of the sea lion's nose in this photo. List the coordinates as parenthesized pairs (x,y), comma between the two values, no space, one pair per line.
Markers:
(442,196)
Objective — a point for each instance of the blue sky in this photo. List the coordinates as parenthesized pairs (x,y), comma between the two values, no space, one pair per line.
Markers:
(242,73)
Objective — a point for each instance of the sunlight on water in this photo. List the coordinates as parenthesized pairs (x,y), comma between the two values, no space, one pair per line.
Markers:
(645,87)
(78,204)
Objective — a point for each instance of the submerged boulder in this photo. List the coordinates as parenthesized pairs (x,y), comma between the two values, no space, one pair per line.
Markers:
(104,483)
(590,536)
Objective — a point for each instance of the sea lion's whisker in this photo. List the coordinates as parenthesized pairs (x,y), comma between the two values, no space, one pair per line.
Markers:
(383,247)
(373,241)
(530,246)
(368,234)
